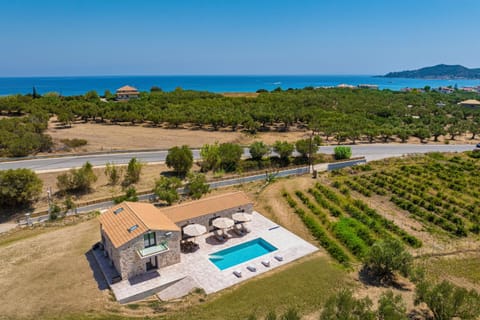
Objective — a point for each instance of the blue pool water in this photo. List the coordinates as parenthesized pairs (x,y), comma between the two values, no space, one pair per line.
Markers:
(241,253)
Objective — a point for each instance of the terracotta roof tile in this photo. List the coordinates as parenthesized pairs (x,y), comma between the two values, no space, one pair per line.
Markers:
(145,216)
(127,89)
(198,208)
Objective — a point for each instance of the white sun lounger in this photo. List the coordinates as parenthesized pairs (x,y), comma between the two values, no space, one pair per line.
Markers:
(251,268)
(237,273)
(266,263)
(279,258)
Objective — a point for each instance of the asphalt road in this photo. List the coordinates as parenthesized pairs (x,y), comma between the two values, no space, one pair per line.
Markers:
(370,152)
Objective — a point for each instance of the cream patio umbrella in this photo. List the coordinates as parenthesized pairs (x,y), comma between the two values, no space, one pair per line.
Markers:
(242,216)
(222,223)
(194,230)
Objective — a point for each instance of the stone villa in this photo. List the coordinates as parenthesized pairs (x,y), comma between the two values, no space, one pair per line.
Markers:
(138,237)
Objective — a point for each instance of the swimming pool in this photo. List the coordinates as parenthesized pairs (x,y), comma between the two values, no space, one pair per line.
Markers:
(243,252)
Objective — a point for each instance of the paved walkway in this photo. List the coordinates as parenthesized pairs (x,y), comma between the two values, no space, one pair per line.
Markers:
(208,277)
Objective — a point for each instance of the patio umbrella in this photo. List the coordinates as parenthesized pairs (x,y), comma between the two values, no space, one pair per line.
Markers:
(242,217)
(194,230)
(222,223)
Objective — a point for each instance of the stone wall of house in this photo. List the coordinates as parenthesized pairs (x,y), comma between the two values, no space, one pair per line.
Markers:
(206,220)
(130,262)
(172,256)
(112,252)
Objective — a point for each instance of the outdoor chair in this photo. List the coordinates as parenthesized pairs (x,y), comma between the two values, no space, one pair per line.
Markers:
(219,235)
(239,230)
(252,269)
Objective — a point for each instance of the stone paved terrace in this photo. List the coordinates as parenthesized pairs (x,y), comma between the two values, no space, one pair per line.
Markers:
(208,277)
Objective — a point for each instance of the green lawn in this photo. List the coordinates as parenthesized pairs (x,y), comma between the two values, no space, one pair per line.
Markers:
(304,285)
(467,268)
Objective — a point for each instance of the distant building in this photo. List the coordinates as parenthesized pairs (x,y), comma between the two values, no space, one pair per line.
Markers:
(446,90)
(470,103)
(126,93)
(368,86)
(469,89)
(346,86)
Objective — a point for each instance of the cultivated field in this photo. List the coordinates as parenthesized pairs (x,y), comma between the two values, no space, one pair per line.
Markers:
(343,212)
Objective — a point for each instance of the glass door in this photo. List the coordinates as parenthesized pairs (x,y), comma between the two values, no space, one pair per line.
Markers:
(152,263)
(149,239)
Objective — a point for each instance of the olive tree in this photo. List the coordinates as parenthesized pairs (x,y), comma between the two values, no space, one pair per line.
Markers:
(284,150)
(343,306)
(77,180)
(447,301)
(230,155)
(197,185)
(211,159)
(134,169)
(387,257)
(180,159)
(166,189)
(19,187)
(258,150)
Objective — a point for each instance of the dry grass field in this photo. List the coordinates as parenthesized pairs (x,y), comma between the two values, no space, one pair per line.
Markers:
(107,137)
(110,137)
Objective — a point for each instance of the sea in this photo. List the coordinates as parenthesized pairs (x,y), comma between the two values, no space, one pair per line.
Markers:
(71,86)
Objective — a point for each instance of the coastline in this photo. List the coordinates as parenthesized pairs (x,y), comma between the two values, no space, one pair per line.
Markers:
(71,86)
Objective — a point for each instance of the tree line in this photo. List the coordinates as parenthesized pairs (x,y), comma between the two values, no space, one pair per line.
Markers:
(340,114)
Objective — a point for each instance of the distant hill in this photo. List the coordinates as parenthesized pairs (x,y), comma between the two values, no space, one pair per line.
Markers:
(441,71)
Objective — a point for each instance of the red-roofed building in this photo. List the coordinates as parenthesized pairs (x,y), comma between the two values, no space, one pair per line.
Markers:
(126,93)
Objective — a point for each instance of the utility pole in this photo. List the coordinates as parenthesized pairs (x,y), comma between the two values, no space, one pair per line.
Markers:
(310,159)
(49,198)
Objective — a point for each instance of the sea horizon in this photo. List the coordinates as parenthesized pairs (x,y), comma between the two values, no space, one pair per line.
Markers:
(80,84)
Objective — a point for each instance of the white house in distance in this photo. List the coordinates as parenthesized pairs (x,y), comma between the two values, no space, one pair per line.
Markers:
(126,93)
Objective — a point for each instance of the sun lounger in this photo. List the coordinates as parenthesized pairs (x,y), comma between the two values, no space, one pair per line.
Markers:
(279,258)
(237,273)
(239,230)
(251,268)
(219,235)
(266,263)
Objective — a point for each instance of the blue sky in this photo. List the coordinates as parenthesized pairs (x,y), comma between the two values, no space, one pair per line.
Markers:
(137,37)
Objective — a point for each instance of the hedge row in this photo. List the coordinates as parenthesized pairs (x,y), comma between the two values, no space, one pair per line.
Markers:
(357,187)
(334,210)
(315,210)
(317,231)
(388,224)
(427,216)
(348,236)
